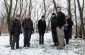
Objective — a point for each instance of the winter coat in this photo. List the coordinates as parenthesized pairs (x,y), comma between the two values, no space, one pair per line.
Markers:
(60,19)
(15,27)
(69,24)
(41,26)
(53,22)
(27,24)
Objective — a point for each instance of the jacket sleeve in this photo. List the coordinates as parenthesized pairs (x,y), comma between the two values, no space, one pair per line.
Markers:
(70,23)
(32,25)
(23,23)
(38,24)
(62,20)
(45,25)
(12,26)
(20,28)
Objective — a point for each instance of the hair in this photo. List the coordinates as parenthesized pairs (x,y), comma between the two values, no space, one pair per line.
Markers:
(58,7)
(53,14)
(43,16)
(66,16)
(18,15)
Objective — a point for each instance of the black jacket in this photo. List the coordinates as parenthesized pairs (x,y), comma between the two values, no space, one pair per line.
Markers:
(69,23)
(53,22)
(60,19)
(41,25)
(27,24)
(15,27)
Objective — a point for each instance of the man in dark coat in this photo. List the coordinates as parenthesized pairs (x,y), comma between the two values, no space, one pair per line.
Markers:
(41,29)
(53,28)
(60,27)
(15,31)
(68,29)
(27,25)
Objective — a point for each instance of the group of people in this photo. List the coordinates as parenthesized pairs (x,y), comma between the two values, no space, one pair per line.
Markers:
(61,27)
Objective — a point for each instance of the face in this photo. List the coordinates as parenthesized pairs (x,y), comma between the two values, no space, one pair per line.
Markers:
(17,18)
(42,18)
(58,10)
(53,15)
(66,17)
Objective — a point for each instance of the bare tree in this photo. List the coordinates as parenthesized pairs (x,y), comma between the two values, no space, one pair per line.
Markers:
(15,8)
(30,7)
(75,18)
(8,8)
(69,8)
(44,7)
(81,9)
(54,5)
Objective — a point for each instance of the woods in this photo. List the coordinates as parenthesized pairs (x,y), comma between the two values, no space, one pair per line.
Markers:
(73,8)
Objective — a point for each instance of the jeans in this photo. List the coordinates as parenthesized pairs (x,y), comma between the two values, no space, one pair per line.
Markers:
(15,41)
(27,37)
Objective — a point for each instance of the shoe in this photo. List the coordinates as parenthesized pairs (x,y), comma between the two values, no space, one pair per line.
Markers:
(24,46)
(59,48)
(28,46)
(12,49)
(55,44)
(67,43)
(18,48)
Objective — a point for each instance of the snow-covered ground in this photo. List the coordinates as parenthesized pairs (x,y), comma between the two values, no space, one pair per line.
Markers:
(76,47)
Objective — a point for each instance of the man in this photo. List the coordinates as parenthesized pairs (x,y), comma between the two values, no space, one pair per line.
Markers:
(27,25)
(15,31)
(60,27)
(68,29)
(41,29)
(53,28)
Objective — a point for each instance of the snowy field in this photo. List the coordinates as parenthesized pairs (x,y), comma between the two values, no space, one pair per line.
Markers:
(76,47)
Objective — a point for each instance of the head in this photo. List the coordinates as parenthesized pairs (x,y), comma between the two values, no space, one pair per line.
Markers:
(58,9)
(53,14)
(43,17)
(18,16)
(28,17)
(67,17)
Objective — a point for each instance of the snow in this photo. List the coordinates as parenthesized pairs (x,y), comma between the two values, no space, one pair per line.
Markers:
(76,46)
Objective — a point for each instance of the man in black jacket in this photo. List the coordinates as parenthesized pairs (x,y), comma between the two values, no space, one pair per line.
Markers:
(27,25)
(41,29)
(60,27)
(53,28)
(15,31)
(68,29)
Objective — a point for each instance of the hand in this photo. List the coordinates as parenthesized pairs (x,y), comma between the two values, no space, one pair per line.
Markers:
(60,27)
(21,33)
(32,32)
(12,32)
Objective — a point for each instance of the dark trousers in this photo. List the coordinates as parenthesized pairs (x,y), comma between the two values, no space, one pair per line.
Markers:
(67,36)
(27,37)
(15,41)
(70,33)
(41,38)
(54,36)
